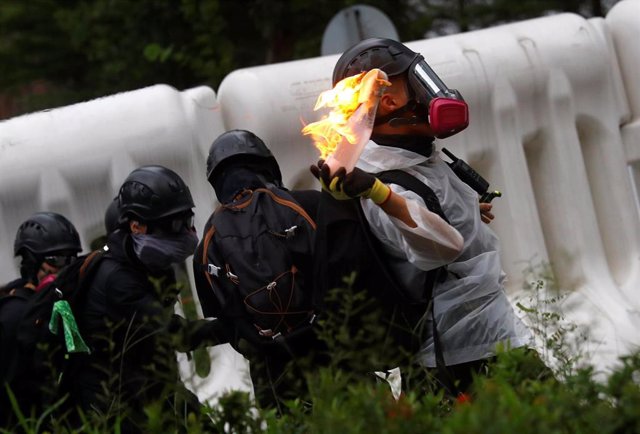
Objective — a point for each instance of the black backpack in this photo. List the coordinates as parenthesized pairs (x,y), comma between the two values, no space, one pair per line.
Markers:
(255,255)
(39,348)
(345,244)
(8,359)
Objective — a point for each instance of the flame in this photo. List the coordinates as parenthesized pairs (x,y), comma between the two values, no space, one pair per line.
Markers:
(343,100)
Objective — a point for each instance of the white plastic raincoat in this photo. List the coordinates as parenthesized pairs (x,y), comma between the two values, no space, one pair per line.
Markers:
(472,310)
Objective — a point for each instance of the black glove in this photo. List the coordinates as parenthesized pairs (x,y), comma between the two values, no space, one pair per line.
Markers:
(192,334)
(357,183)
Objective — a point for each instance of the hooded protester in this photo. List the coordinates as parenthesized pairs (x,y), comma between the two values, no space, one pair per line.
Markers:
(45,242)
(126,321)
(239,164)
(472,312)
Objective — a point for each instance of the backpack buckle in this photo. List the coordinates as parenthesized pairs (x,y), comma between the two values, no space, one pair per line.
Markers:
(232,277)
(271,286)
(213,270)
(291,231)
(268,333)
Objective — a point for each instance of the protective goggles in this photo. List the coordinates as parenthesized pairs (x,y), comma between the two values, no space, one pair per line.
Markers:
(448,112)
(173,224)
(59,261)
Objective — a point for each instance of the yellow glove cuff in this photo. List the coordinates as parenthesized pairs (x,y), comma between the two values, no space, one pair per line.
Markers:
(379,192)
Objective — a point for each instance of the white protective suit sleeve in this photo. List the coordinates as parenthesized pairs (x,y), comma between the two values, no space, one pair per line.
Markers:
(432,244)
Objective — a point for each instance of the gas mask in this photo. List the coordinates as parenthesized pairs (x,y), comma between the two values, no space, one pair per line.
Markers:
(448,112)
(444,108)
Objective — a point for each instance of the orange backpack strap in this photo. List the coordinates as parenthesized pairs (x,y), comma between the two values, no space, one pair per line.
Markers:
(205,255)
(290,204)
(87,262)
(282,201)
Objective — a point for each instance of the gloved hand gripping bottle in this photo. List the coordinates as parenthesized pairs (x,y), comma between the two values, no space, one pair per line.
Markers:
(360,124)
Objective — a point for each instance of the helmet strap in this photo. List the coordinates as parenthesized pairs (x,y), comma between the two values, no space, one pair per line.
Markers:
(396,118)
(415,143)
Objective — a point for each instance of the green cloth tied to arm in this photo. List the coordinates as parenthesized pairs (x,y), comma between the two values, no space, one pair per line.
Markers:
(73,340)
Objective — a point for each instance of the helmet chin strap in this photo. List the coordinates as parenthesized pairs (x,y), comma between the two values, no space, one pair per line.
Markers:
(395,118)
(399,122)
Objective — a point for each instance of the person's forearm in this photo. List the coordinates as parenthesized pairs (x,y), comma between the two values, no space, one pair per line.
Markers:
(448,242)
(396,206)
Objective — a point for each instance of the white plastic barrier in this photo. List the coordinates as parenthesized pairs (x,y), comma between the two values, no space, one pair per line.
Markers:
(547,101)
(72,160)
(625,30)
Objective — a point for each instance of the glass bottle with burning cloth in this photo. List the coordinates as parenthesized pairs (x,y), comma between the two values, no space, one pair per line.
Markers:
(341,135)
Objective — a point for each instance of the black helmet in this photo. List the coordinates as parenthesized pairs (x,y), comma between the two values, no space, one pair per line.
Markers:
(112,216)
(46,232)
(152,192)
(446,111)
(392,57)
(240,145)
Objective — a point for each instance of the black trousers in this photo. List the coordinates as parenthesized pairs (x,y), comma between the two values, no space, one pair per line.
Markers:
(278,372)
(454,379)
(457,379)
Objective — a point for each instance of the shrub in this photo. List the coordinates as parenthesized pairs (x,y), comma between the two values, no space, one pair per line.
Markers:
(519,394)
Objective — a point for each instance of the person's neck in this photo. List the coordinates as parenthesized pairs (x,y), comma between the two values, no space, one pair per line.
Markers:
(421,129)
(419,144)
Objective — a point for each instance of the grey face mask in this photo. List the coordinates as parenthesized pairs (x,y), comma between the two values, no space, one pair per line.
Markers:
(158,252)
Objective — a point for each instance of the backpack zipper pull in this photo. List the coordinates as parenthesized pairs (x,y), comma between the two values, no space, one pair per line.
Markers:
(213,270)
(232,277)
(291,231)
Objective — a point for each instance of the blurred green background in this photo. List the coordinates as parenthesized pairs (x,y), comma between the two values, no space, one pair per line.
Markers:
(57,52)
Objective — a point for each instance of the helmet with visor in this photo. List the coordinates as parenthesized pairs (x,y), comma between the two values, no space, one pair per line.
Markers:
(448,113)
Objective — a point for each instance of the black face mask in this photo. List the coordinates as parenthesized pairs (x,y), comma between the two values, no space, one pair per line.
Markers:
(235,179)
(158,251)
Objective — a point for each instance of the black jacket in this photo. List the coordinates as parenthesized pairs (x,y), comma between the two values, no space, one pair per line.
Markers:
(12,308)
(24,387)
(123,322)
(132,335)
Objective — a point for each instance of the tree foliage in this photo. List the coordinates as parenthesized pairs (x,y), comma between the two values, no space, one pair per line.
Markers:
(78,49)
